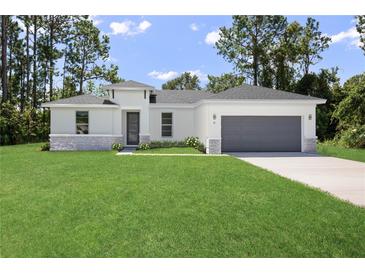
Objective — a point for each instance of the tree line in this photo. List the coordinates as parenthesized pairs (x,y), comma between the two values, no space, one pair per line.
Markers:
(269,51)
(45,58)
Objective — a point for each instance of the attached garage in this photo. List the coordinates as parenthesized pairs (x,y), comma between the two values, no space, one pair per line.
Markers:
(261,133)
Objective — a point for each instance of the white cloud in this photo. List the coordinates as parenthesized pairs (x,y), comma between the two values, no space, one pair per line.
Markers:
(96,21)
(201,75)
(163,75)
(212,37)
(129,28)
(194,27)
(351,36)
(144,25)
(120,28)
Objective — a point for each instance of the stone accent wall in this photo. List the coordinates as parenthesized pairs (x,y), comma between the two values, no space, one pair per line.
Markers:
(83,142)
(214,146)
(144,138)
(309,145)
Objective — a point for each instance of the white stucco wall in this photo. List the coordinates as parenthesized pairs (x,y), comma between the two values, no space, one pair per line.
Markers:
(133,100)
(101,121)
(201,122)
(183,122)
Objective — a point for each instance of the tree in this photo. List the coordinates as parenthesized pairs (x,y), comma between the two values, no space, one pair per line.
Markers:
(36,24)
(322,85)
(248,41)
(223,82)
(56,27)
(4,47)
(84,52)
(312,44)
(350,112)
(185,81)
(360,26)
(285,56)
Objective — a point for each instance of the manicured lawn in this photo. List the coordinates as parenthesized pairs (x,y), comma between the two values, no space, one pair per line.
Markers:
(170,150)
(97,204)
(340,152)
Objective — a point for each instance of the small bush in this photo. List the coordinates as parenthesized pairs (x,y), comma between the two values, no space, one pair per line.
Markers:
(144,146)
(188,142)
(195,143)
(352,137)
(45,147)
(118,147)
(192,142)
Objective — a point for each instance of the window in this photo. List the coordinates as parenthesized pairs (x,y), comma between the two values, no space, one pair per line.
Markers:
(113,93)
(166,124)
(82,122)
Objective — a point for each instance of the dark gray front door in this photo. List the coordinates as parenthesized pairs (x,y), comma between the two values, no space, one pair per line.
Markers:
(132,128)
(261,133)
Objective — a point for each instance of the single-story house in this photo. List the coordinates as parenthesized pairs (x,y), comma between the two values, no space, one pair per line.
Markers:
(245,118)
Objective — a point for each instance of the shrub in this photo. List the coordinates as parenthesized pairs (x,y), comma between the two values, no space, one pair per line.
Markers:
(45,147)
(188,142)
(118,147)
(192,142)
(195,143)
(144,146)
(352,138)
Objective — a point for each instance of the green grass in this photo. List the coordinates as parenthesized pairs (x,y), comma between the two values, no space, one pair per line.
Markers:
(170,150)
(96,204)
(340,152)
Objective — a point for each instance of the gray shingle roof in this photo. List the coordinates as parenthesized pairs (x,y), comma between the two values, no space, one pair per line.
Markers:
(128,84)
(244,92)
(181,96)
(83,99)
(248,92)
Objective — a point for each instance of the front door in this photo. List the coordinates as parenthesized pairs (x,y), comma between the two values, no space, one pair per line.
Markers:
(132,128)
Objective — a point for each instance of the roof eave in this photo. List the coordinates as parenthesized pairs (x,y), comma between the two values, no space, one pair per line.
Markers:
(50,105)
(267,101)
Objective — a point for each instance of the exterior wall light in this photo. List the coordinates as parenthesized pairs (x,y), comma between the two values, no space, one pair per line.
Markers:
(310,117)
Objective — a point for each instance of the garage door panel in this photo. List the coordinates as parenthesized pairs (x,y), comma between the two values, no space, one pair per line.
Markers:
(261,133)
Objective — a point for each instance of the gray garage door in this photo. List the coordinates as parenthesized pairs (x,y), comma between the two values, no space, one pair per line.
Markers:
(261,133)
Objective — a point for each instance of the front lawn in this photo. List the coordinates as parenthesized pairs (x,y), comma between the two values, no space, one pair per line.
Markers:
(170,150)
(341,152)
(97,204)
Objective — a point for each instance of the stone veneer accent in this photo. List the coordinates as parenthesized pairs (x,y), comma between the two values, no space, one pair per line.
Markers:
(144,139)
(309,145)
(213,146)
(83,142)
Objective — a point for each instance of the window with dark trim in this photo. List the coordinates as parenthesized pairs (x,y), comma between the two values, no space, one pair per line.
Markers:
(166,124)
(82,122)
(113,93)
(145,92)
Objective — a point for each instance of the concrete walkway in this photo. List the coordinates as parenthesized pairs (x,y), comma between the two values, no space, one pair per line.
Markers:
(342,178)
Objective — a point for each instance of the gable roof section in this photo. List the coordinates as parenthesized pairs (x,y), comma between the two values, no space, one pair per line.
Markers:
(128,84)
(181,96)
(248,92)
(86,99)
(244,92)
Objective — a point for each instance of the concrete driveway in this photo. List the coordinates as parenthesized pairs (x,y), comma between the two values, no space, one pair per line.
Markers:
(344,179)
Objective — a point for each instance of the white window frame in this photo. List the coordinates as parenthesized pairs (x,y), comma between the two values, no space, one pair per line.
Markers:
(88,122)
(172,123)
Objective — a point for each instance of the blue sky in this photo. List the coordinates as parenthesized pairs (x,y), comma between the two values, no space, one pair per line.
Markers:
(154,49)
